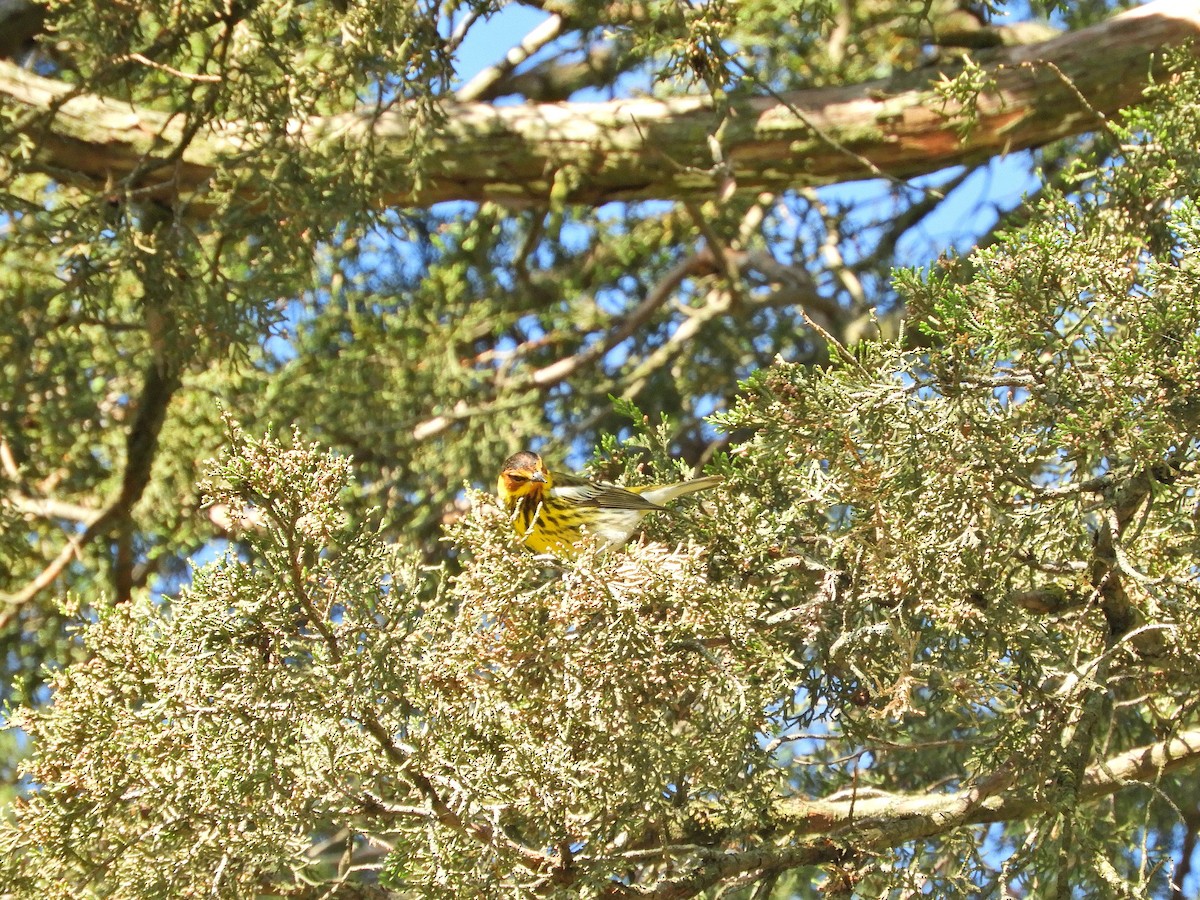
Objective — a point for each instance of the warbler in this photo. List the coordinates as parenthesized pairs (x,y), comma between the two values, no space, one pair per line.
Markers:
(553,511)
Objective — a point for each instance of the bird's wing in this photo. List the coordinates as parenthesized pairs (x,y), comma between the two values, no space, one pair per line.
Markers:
(597,494)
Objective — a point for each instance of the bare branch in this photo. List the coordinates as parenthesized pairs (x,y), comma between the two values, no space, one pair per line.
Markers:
(555,80)
(542,35)
(1186,853)
(50,508)
(925,811)
(559,370)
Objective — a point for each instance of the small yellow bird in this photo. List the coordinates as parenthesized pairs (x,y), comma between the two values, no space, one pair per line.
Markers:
(553,511)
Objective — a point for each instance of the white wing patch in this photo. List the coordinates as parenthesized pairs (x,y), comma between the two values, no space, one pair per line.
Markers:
(576,493)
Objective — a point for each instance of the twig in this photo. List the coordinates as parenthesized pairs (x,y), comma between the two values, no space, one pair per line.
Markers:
(898,226)
(460,30)
(542,35)
(837,345)
(831,250)
(170,70)
(49,508)
(561,369)
(1070,85)
(440,810)
(725,262)
(822,136)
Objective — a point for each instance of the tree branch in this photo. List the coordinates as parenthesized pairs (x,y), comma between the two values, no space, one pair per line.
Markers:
(482,831)
(542,35)
(646,148)
(553,81)
(1186,852)
(696,264)
(140,446)
(701,263)
(921,813)
(50,508)
(856,824)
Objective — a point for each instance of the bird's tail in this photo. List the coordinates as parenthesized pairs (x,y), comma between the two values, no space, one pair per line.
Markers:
(660,494)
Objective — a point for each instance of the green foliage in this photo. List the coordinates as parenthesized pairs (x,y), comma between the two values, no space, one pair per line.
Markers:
(229,764)
(293,692)
(950,578)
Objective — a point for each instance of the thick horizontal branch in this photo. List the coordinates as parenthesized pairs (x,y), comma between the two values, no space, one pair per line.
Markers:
(902,818)
(642,148)
(857,825)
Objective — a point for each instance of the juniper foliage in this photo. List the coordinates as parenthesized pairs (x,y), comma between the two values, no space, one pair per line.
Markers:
(935,633)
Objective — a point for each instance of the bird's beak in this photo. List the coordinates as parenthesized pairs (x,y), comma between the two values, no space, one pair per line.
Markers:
(538,476)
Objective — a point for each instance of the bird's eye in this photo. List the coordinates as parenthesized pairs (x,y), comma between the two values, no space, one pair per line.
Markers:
(513,476)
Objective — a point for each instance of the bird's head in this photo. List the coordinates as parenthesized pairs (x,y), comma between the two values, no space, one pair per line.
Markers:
(523,475)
